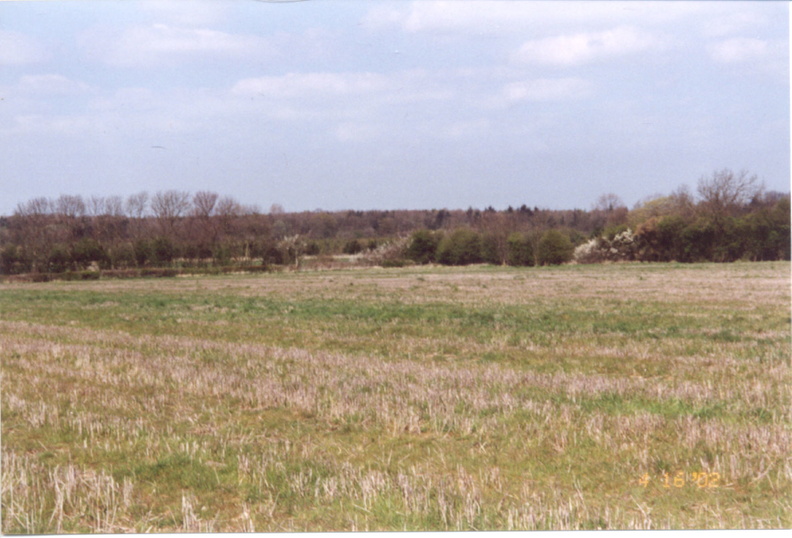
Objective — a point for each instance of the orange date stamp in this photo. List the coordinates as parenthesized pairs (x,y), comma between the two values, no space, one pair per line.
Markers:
(681,479)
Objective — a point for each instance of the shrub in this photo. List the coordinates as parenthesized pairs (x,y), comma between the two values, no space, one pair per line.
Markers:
(78,275)
(122,256)
(519,250)
(143,253)
(87,251)
(352,246)
(121,273)
(312,248)
(423,246)
(554,248)
(159,272)
(494,249)
(58,260)
(462,247)
(388,254)
(222,254)
(618,246)
(272,255)
(589,252)
(13,260)
(163,250)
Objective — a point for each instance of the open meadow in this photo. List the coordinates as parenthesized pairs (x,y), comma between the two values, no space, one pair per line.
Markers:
(624,396)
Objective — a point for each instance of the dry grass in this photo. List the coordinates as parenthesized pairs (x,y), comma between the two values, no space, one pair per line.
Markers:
(418,399)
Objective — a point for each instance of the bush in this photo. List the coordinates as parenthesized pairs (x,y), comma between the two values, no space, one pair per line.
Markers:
(13,260)
(352,246)
(554,248)
(388,254)
(163,250)
(312,249)
(519,250)
(121,273)
(159,272)
(142,251)
(462,247)
(619,246)
(87,251)
(122,256)
(221,254)
(423,246)
(272,255)
(58,260)
(590,252)
(493,249)
(78,275)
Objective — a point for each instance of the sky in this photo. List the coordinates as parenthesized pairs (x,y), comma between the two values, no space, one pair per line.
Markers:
(343,104)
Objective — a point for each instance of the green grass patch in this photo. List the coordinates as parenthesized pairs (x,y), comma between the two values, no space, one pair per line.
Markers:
(416,398)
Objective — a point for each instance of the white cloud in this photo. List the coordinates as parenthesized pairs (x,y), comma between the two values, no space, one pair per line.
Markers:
(467,129)
(133,99)
(19,49)
(301,84)
(739,49)
(51,124)
(355,131)
(575,49)
(50,84)
(733,22)
(766,56)
(545,90)
(162,43)
(193,14)
(497,17)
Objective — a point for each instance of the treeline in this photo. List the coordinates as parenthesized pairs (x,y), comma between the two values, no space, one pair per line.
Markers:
(730,218)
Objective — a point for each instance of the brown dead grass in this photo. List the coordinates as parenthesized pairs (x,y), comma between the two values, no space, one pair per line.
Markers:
(253,435)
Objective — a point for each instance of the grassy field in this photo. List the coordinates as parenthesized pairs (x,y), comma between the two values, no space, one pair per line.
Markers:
(580,397)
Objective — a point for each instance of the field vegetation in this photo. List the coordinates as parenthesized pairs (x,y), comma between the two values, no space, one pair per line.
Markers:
(620,396)
(731,217)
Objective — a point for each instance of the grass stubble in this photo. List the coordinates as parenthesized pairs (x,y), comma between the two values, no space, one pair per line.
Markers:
(584,397)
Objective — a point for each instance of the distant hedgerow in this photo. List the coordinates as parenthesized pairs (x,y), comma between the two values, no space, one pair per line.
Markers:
(554,248)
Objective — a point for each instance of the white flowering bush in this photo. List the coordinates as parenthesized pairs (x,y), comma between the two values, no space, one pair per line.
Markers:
(600,249)
(292,249)
(622,246)
(389,253)
(588,252)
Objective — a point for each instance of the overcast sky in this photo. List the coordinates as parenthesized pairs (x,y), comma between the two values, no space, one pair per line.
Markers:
(384,105)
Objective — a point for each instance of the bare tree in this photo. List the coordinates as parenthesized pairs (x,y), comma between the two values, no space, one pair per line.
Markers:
(726,193)
(114,206)
(204,203)
(227,206)
(95,206)
(609,210)
(496,228)
(682,202)
(137,205)
(168,207)
(204,225)
(608,202)
(35,229)
(137,209)
(34,207)
(228,211)
(70,206)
